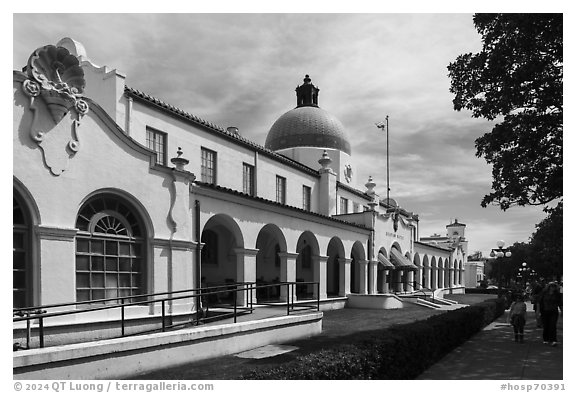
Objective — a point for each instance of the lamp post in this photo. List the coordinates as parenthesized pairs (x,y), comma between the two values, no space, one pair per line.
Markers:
(500,252)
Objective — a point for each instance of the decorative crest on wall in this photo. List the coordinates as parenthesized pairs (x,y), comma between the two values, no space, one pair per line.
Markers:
(57,80)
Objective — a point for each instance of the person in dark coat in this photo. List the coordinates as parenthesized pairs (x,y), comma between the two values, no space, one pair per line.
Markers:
(537,288)
(550,303)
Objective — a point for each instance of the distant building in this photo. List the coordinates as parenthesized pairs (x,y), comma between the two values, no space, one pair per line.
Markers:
(118,193)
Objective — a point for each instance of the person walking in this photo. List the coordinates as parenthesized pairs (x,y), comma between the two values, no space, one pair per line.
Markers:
(535,299)
(517,317)
(550,303)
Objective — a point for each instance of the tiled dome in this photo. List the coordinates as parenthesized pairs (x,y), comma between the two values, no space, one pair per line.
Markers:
(307,125)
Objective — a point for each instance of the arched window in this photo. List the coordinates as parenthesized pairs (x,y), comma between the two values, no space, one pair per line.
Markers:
(21,276)
(110,252)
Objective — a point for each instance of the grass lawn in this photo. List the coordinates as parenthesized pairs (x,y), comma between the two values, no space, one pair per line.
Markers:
(338,326)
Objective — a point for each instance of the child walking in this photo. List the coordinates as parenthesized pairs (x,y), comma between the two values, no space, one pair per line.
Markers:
(517,317)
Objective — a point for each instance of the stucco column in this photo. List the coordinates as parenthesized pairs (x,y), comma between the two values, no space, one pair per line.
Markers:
(427,274)
(400,280)
(320,274)
(245,273)
(451,277)
(363,290)
(287,274)
(386,281)
(372,277)
(434,277)
(344,287)
(410,280)
(441,278)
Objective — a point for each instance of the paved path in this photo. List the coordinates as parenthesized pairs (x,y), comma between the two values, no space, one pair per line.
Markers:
(493,354)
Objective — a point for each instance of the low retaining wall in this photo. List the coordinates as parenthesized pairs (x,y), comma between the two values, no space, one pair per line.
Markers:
(130,356)
(379,301)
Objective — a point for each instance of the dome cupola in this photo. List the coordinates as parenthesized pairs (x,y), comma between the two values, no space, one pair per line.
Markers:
(307,125)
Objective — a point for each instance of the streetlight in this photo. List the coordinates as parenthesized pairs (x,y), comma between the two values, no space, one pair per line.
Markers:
(500,252)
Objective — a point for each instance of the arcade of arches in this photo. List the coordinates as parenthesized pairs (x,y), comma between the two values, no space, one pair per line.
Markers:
(111,260)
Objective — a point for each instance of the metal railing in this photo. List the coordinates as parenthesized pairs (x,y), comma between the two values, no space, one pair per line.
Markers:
(205,299)
(418,290)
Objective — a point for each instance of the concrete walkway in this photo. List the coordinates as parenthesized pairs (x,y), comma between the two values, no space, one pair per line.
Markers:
(493,354)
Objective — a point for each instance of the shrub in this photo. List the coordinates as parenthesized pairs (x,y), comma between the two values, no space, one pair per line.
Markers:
(398,352)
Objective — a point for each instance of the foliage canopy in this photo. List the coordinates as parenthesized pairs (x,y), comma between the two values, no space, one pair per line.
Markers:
(516,80)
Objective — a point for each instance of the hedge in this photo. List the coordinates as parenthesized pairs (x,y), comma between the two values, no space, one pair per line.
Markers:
(398,352)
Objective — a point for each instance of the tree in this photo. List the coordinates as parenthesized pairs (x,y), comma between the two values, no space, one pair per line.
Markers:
(546,244)
(516,81)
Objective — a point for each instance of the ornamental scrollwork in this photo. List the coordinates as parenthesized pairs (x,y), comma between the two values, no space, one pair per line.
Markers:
(56,78)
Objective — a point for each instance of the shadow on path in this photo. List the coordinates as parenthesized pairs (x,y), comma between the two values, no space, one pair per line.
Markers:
(493,354)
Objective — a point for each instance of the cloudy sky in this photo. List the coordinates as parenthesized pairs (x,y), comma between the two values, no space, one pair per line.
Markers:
(241,70)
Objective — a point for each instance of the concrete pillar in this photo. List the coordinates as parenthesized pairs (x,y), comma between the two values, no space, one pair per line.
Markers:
(400,281)
(434,277)
(372,277)
(386,281)
(451,278)
(245,273)
(344,266)
(410,280)
(363,268)
(427,274)
(287,274)
(320,274)
(441,277)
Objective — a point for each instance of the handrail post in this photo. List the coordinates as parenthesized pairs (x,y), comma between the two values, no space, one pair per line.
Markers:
(235,298)
(163,315)
(122,316)
(28,331)
(287,298)
(318,292)
(41,331)
(252,290)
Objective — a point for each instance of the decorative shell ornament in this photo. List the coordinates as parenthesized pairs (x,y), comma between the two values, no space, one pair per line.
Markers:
(56,79)
(60,78)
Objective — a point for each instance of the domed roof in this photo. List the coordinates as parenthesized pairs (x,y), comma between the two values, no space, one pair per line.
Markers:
(307,125)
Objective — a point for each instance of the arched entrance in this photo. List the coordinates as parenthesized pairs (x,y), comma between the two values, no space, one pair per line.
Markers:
(220,237)
(356,255)
(426,273)
(334,252)
(110,249)
(308,252)
(270,243)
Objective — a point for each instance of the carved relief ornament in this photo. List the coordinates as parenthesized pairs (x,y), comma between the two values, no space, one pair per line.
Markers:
(56,79)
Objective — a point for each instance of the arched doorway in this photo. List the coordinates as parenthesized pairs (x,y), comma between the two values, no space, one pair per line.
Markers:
(426,273)
(419,274)
(308,250)
(110,249)
(270,243)
(22,288)
(356,255)
(334,252)
(220,237)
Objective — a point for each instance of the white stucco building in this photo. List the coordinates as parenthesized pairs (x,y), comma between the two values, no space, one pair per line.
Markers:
(117,193)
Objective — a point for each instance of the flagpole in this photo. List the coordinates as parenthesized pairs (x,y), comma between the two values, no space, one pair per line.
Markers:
(387,164)
(383,125)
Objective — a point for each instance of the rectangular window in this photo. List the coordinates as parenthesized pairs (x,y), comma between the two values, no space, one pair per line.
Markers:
(306,192)
(208,166)
(280,189)
(343,205)
(156,141)
(248,179)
